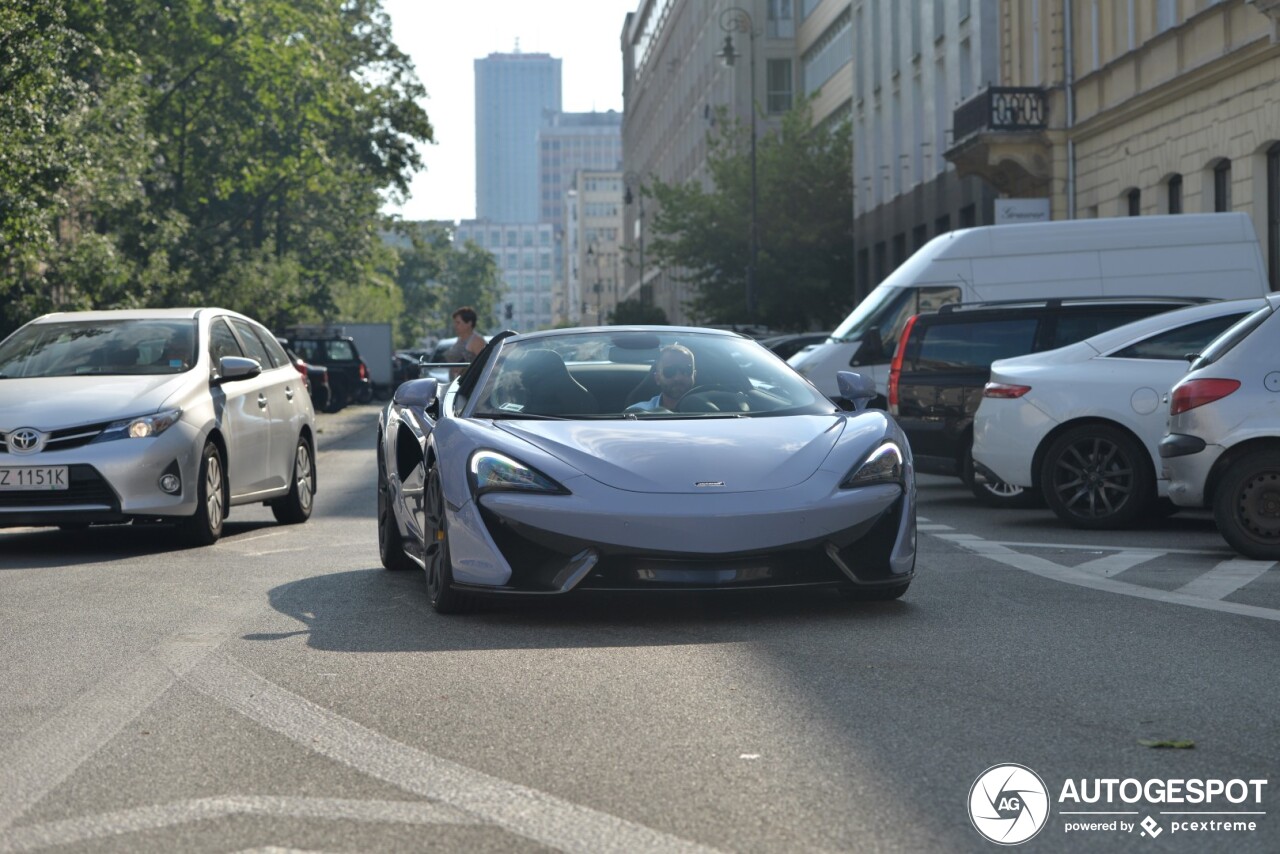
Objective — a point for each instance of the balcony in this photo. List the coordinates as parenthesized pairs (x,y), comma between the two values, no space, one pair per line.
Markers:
(1000,136)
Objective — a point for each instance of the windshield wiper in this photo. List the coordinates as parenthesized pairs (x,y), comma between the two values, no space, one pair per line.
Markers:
(519,416)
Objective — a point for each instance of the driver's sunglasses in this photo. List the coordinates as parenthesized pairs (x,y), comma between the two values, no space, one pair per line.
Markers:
(672,371)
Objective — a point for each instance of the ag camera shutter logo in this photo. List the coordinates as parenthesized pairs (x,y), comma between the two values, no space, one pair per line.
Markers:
(1008,804)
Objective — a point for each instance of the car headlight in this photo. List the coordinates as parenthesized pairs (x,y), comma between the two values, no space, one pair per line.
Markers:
(883,465)
(492,471)
(141,427)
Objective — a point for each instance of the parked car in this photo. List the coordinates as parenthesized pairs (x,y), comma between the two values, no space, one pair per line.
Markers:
(1222,449)
(1082,424)
(944,361)
(316,376)
(786,346)
(526,476)
(348,374)
(170,415)
(407,365)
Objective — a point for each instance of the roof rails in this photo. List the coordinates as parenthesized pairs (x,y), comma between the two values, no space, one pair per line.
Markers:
(1057,302)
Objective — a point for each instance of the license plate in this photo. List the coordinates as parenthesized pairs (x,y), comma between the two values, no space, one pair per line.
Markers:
(33,477)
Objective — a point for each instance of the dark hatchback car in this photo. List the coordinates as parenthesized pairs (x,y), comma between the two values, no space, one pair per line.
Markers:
(943,361)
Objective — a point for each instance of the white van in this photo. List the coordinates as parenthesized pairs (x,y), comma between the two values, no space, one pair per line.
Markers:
(1196,255)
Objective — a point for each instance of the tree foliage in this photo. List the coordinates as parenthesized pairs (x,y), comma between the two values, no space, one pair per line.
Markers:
(804,275)
(436,278)
(182,152)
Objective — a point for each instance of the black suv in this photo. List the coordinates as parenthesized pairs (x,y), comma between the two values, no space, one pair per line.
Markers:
(348,375)
(944,359)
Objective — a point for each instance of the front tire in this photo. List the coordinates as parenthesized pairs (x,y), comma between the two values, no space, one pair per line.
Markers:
(205,526)
(1098,478)
(390,550)
(439,562)
(295,507)
(1246,505)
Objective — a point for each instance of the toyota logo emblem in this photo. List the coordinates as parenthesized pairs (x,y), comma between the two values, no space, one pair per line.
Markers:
(25,440)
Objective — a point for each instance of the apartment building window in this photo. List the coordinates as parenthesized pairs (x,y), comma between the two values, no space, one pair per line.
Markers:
(1175,194)
(876,39)
(915,30)
(966,69)
(1273,214)
(881,262)
(939,20)
(968,216)
(1222,186)
(807,7)
(899,249)
(781,20)
(1133,202)
(1166,14)
(964,10)
(859,64)
(778,85)
(895,37)
(942,225)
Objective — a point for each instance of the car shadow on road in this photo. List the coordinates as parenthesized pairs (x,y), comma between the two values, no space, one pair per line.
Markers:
(41,548)
(378,611)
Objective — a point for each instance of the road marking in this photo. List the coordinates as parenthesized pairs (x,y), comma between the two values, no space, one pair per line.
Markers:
(1114,564)
(934,527)
(1103,548)
(38,763)
(518,809)
(1226,578)
(115,824)
(1074,575)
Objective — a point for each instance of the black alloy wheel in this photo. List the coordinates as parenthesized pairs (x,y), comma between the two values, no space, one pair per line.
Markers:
(439,563)
(1246,504)
(390,550)
(1097,477)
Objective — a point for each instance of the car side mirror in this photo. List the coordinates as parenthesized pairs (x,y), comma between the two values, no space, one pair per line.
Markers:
(870,349)
(857,389)
(423,394)
(1190,357)
(232,368)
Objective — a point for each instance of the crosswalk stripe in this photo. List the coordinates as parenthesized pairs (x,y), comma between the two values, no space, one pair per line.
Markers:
(1226,578)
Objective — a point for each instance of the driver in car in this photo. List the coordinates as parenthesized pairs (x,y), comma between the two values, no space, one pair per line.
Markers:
(674,374)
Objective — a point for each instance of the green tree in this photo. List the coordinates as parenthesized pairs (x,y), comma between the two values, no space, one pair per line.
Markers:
(804,271)
(633,312)
(435,278)
(164,152)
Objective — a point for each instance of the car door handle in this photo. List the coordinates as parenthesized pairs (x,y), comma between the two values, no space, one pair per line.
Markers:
(262,400)
(288,392)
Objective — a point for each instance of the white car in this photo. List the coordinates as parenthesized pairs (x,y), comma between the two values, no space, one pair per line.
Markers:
(1223,444)
(151,415)
(1083,423)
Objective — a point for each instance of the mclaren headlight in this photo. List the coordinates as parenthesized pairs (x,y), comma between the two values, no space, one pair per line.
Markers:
(142,427)
(491,471)
(883,465)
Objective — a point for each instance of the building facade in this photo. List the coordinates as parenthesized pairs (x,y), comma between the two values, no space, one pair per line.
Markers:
(568,142)
(915,63)
(513,93)
(674,84)
(526,256)
(593,273)
(1149,107)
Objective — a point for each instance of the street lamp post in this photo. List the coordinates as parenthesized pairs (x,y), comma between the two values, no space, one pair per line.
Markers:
(737,20)
(628,179)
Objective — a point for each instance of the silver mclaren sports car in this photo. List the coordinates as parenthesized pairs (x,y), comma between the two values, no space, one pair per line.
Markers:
(641,458)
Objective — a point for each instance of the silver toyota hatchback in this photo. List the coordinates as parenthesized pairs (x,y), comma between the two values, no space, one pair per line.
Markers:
(156,415)
(1222,448)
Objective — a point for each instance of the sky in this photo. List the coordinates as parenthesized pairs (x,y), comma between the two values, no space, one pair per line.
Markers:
(445,37)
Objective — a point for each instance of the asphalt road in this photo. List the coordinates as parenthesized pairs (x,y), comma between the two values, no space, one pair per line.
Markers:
(280,691)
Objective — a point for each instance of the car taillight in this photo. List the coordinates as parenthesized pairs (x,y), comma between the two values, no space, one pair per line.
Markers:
(301,368)
(1004,390)
(364,372)
(1193,393)
(895,367)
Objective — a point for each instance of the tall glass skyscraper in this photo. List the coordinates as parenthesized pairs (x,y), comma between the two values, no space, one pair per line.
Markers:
(512,92)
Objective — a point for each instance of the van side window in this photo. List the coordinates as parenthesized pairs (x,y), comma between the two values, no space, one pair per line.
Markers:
(1175,344)
(959,346)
